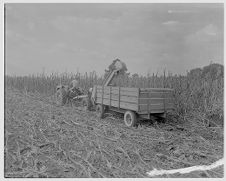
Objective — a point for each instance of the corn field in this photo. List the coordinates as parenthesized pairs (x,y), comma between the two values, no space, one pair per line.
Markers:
(199,90)
(49,141)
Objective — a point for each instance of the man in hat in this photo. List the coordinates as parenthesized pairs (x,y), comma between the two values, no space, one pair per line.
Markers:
(75,89)
(74,84)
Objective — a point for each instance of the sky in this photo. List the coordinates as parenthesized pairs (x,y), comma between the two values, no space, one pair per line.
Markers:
(76,37)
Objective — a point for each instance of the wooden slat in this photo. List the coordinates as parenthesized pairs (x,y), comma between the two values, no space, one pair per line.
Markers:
(122,98)
(122,88)
(154,100)
(152,112)
(125,93)
(107,89)
(127,89)
(152,107)
(156,90)
(156,95)
(123,105)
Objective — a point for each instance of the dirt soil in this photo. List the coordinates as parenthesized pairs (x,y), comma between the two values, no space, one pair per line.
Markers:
(46,140)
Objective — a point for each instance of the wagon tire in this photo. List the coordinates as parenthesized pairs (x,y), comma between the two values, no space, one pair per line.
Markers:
(130,118)
(100,110)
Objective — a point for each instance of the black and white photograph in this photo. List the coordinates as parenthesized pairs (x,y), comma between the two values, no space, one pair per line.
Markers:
(113,90)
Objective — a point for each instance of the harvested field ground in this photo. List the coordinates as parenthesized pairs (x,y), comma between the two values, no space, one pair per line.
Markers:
(44,140)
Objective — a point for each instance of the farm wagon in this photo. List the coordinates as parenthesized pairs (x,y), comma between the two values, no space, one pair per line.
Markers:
(134,103)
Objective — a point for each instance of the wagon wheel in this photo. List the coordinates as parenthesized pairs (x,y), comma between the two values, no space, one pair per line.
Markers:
(100,110)
(130,118)
(61,98)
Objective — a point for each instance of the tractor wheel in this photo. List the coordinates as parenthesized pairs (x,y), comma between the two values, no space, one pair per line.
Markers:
(61,98)
(100,110)
(89,104)
(84,104)
(130,118)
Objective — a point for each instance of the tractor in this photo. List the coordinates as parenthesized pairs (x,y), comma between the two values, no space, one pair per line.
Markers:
(73,96)
(76,96)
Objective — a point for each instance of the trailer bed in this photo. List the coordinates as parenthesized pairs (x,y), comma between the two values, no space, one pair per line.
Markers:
(142,101)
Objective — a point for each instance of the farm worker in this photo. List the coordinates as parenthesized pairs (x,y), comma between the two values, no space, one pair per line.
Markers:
(75,89)
(118,64)
(74,83)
